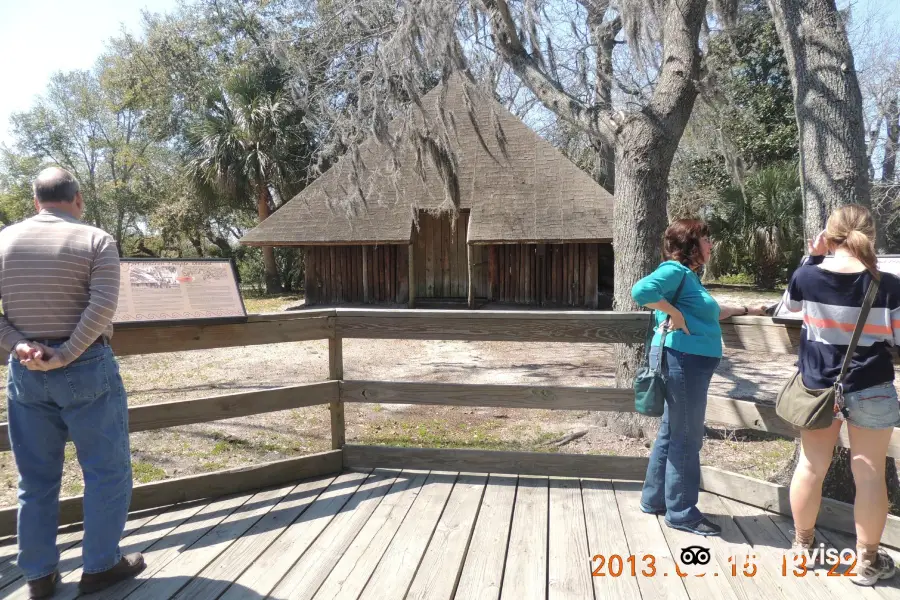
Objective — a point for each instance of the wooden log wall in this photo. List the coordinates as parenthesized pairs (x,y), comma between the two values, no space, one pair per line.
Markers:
(441,261)
(546,274)
(334,275)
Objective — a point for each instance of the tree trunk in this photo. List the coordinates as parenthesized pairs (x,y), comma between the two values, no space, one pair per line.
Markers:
(833,159)
(197,244)
(603,36)
(273,279)
(223,245)
(645,147)
(828,104)
(889,164)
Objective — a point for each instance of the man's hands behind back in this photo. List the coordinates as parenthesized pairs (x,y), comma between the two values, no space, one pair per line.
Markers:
(37,357)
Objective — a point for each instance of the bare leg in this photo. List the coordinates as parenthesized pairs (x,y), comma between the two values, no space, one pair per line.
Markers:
(868,451)
(816,450)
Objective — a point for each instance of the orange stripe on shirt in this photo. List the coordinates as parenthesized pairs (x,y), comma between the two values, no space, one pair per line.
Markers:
(849,327)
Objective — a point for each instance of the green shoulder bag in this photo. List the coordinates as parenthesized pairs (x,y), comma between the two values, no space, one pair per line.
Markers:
(815,409)
(650,381)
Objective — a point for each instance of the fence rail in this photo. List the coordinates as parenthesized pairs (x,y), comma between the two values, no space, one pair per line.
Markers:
(754,335)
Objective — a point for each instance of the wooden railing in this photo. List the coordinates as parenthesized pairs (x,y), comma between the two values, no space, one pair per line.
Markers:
(752,335)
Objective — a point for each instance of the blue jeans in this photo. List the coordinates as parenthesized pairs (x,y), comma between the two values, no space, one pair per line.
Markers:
(85,400)
(673,475)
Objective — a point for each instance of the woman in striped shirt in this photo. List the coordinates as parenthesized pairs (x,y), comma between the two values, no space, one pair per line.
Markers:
(830,297)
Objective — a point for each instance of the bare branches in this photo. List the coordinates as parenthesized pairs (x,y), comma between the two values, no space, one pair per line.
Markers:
(597,123)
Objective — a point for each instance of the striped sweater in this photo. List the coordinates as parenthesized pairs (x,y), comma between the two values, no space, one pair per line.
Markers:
(831,304)
(59,279)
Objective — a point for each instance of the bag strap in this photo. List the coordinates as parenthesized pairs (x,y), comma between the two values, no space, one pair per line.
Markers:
(665,331)
(860,325)
(678,291)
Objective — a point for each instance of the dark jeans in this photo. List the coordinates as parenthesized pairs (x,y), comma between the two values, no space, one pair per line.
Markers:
(85,400)
(673,475)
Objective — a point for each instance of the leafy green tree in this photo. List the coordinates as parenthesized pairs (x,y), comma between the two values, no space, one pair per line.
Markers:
(760,224)
(751,89)
(16,195)
(82,125)
(250,141)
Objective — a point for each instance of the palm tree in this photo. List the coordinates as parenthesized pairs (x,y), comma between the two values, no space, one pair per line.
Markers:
(760,224)
(250,141)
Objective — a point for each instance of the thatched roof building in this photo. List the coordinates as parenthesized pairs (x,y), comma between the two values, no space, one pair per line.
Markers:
(517,194)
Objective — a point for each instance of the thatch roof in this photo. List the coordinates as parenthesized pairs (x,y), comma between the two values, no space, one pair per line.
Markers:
(518,187)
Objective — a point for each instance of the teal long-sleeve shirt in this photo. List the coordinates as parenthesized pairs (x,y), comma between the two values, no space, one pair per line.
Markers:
(700,310)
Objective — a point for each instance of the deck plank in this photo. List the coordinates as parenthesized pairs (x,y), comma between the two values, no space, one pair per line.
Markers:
(770,545)
(733,543)
(483,568)
(9,570)
(568,562)
(70,562)
(218,575)
(645,539)
(268,569)
(889,589)
(606,537)
(348,578)
(708,581)
(304,579)
(397,568)
(439,572)
(8,549)
(169,547)
(525,575)
(194,559)
(839,580)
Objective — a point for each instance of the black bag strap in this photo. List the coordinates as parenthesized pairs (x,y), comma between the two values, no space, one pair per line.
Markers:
(860,325)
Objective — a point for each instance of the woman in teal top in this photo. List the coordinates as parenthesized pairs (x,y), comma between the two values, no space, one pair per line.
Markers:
(692,353)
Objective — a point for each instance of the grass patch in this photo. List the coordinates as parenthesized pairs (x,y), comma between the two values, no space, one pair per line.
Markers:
(228,445)
(145,472)
(269,303)
(213,465)
(70,454)
(437,433)
(73,488)
(736,279)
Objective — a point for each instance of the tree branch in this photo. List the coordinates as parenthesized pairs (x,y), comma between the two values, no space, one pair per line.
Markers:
(596,122)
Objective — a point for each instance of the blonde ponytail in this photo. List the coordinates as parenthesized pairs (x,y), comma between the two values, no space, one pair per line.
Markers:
(852,227)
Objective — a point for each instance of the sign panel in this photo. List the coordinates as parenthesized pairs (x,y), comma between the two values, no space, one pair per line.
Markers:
(176,290)
(887,263)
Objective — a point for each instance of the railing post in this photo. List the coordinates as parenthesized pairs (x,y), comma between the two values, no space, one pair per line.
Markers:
(336,373)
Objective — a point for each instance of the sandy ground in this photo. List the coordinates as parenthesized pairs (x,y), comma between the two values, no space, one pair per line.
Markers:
(211,446)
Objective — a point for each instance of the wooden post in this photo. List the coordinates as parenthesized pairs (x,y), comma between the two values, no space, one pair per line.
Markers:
(470,259)
(365,274)
(412,276)
(336,372)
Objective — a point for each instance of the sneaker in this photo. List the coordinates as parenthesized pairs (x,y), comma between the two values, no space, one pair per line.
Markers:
(43,587)
(703,527)
(128,567)
(869,572)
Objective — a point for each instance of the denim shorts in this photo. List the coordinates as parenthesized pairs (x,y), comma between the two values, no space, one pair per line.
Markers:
(874,408)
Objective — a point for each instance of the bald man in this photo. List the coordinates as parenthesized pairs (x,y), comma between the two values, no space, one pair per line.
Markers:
(59,283)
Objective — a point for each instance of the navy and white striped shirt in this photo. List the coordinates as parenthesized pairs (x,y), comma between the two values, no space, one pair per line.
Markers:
(831,304)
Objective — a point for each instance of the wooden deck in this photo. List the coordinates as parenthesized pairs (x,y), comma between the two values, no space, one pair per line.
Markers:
(389,534)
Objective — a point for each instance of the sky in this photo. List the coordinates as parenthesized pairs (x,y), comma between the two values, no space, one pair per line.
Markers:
(40,37)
